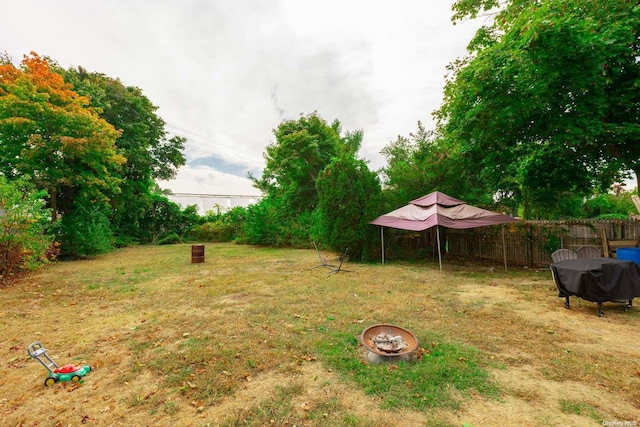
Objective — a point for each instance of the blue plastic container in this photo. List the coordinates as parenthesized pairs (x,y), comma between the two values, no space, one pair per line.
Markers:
(629,254)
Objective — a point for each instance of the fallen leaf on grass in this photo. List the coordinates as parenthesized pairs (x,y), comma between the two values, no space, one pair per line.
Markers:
(87,418)
(73,386)
(197,403)
(305,357)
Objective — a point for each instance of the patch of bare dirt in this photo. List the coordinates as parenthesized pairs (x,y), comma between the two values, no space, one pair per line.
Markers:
(533,398)
(319,384)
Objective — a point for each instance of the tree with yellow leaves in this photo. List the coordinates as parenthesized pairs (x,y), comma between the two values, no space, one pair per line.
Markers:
(50,133)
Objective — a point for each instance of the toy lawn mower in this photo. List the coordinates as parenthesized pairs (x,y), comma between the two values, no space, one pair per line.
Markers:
(68,372)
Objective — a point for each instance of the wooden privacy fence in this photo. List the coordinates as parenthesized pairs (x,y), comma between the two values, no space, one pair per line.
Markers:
(527,243)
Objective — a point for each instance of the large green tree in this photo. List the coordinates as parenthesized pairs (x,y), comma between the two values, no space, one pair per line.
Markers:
(547,104)
(303,148)
(49,132)
(151,154)
(417,165)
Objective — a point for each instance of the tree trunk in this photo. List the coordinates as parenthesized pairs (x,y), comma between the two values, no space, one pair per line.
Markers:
(54,204)
(525,208)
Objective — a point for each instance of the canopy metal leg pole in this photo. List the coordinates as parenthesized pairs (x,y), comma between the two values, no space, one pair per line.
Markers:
(382,240)
(433,253)
(439,252)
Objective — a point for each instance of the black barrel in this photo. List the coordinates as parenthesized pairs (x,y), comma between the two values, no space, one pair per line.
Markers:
(197,254)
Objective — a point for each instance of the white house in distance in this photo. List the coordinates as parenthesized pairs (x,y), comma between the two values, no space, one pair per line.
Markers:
(208,202)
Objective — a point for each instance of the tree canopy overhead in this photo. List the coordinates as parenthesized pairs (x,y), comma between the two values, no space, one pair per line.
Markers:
(548,101)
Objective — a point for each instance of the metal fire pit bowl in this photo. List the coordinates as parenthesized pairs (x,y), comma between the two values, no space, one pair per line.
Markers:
(375,330)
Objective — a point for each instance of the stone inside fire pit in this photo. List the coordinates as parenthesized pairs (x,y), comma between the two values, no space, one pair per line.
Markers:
(388,343)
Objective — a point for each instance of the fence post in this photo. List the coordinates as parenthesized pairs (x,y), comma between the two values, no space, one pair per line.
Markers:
(530,247)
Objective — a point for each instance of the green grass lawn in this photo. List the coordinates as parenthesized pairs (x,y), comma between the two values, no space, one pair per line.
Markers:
(257,336)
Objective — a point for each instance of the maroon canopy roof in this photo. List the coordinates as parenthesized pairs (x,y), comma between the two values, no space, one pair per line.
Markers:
(439,209)
(436,198)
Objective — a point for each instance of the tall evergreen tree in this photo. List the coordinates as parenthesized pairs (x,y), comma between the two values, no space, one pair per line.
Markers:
(349,197)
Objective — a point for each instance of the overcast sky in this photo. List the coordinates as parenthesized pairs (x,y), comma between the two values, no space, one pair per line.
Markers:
(224,74)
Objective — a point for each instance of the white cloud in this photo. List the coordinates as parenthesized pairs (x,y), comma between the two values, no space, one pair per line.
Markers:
(206,180)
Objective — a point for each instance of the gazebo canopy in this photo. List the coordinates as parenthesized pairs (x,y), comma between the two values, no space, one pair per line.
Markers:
(438,209)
